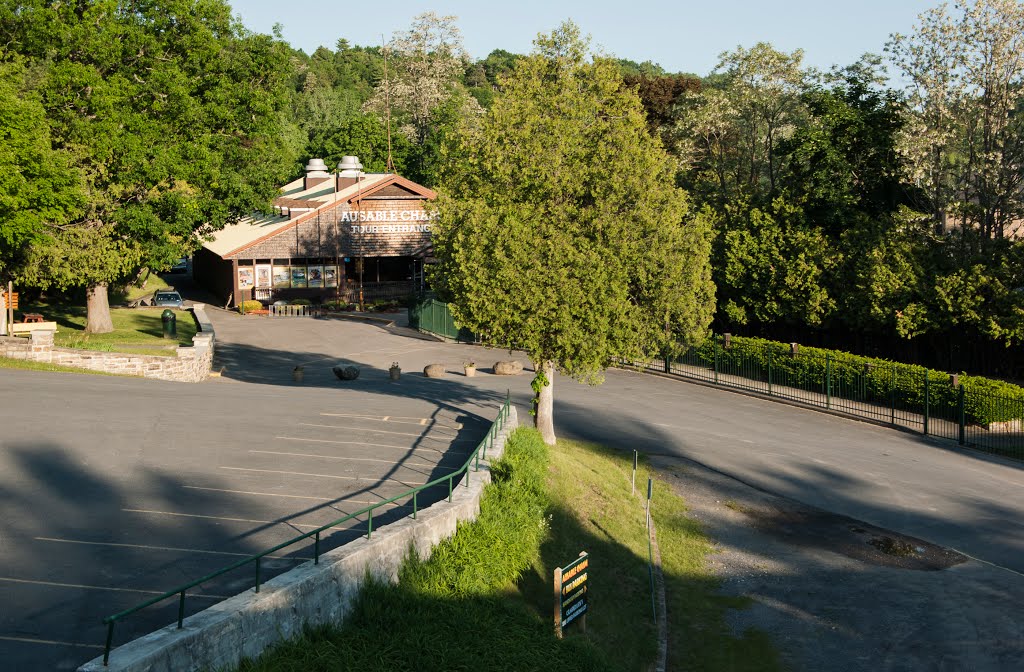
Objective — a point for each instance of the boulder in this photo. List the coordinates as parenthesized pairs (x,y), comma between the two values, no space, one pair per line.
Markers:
(433,370)
(512,368)
(345,372)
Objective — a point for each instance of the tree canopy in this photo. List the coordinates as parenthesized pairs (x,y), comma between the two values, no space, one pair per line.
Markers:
(561,230)
(170,113)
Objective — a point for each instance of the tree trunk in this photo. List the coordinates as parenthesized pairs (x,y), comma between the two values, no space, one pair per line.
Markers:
(545,403)
(97,310)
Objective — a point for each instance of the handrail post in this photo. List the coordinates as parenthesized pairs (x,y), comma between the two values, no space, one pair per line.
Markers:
(181,610)
(450,488)
(258,573)
(110,640)
(415,506)
(369,523)
(961,413)
(316,548)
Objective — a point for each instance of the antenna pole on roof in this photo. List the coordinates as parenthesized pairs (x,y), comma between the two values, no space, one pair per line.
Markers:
(390,167)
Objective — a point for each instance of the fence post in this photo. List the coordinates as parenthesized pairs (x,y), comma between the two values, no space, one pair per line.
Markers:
(926,402)
(961,413)
(714,345)
(770,355)
(828,380)
(892,394)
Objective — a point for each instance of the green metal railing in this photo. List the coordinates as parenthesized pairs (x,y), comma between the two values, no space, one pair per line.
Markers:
(480,452)
(900,395)
(433,316)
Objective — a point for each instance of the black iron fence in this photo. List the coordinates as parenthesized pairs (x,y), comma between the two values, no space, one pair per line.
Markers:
(978,412)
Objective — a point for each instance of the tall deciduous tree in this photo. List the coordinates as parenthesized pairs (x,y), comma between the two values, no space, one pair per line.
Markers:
(427,61)
(561,230)
(171,113)
(964,139)
(964,144)
(39,189)
(754,98)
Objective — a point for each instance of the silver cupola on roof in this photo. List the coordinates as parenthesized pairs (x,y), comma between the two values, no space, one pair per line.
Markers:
(349,172)
(349,166)
(316,173)
(317,168)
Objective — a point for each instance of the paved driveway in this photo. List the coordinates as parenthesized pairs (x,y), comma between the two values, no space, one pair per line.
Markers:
(137,485)
(114,490)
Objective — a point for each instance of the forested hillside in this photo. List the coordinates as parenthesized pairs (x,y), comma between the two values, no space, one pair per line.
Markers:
(876,207)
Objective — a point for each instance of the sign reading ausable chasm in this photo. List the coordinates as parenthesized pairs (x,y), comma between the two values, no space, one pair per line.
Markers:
(571,592)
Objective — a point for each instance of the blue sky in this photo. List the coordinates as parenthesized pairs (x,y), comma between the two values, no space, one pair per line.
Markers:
(681,36)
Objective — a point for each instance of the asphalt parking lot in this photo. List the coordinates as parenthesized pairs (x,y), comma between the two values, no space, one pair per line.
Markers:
(115,490)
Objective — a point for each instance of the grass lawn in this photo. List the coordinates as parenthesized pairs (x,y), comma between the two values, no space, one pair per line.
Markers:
(483,601)
(137,331)
(593,510)
(153,282)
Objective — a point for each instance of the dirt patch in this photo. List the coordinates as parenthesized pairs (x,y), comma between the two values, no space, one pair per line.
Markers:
(813,528)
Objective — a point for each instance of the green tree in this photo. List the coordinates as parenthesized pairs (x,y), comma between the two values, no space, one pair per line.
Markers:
(561,230)
(171,113)
(964,139)
(39,190)
(728,134)
(773,268)
(365,136)
(963,142)
(428,60)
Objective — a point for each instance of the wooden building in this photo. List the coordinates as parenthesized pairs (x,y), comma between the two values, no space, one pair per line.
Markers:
(331,235)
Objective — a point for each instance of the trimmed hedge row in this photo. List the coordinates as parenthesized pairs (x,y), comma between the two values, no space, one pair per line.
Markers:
(868,379)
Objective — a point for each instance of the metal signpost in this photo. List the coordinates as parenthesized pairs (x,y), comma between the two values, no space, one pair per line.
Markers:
(571,593)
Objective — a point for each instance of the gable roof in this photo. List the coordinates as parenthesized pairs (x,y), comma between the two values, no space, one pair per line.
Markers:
(256,228)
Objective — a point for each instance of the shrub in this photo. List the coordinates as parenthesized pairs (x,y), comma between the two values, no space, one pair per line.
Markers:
(301,302)
(493,552)
(870,379)
(250,305)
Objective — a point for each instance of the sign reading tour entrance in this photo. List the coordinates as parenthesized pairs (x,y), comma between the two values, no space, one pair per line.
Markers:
(571,593)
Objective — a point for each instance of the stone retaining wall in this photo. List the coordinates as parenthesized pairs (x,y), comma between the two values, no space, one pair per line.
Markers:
(245,625)
(190,365)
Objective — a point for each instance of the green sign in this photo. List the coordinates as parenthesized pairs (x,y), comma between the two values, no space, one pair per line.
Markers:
(571,592)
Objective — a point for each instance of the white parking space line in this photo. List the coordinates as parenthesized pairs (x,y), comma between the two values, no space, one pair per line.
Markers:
(55,584)
(339,500)
(382,431)
(357,443)
(356,459)
(401,420)
(302,473)
(286,523)
(163,548)
(261,494)
(49,642)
